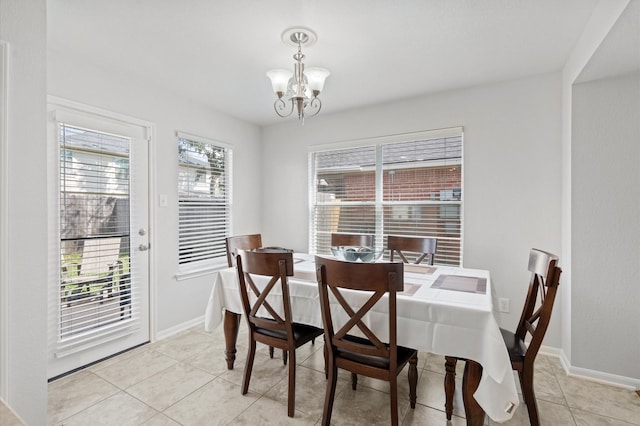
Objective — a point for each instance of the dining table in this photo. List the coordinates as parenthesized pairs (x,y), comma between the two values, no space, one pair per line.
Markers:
(445,310)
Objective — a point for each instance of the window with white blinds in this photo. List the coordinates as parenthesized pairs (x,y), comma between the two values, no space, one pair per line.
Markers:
(95,298)
(405,185)
(204,201)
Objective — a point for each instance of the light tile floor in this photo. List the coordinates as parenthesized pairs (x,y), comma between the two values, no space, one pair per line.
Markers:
(183,380)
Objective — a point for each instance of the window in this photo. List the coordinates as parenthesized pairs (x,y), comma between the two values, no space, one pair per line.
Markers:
(204,200)
(94,233)
(401,185)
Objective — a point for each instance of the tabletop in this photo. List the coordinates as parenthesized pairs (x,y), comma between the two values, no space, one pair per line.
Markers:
(443,310)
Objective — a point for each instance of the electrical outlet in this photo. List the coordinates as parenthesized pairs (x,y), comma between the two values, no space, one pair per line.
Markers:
(503,305)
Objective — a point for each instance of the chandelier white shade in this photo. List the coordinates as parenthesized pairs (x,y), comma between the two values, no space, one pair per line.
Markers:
(298,90)
(279,80)
(316,77)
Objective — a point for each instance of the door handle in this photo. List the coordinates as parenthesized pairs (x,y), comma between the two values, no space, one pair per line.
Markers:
(144,247)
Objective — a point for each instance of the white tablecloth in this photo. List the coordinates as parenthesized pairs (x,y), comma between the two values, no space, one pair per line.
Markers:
(440,321)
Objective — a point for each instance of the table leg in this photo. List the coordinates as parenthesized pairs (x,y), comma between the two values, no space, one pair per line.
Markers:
(231,327)
(470,382)
(449,384)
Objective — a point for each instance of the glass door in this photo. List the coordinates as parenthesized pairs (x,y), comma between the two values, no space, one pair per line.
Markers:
(99,301)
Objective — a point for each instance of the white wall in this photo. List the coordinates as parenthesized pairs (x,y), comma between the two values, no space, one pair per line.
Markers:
(176,302)
(512,172)
(24,387)
(606,226)
(603,18)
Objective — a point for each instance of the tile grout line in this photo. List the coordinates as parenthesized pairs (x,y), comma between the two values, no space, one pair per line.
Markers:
(163,412)
(564,397)
(118,390)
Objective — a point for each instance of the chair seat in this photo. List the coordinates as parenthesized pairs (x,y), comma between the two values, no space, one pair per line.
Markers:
(404,354)
(302,333)
(515,346)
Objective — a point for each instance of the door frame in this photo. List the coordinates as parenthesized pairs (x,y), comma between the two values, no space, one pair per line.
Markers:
(54,102)
(4,219)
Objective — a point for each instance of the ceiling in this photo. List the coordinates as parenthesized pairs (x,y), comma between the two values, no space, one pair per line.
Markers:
(216,52)
(619,52)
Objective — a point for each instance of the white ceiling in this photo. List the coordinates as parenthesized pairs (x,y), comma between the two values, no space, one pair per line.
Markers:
(619,52)
(217,51)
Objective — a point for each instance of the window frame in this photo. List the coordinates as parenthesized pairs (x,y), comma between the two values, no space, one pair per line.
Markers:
(380,203)
(195,268)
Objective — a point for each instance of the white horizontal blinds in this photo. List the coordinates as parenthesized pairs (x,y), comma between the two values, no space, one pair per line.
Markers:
(345,194)
(95,300)
(397,185)
(422,192)
(204,200)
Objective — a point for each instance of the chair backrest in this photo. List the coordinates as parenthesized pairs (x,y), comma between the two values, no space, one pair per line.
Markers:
(545,278)
(276,266)
(379,278)
(99,255)
(242,242)
(425,247)
(356,240)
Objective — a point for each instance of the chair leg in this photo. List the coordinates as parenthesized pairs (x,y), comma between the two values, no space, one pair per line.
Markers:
(326,360)
(449,384)
(284,356)
(528,394)
(248,366)
(270,351)
(393,394)
(473,411)
(354,381)
(413,380)
(291,401)
(330,393)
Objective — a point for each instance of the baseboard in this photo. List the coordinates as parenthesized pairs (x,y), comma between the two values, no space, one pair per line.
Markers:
(592,375)
(180,327)
(548,350)
(3,402)
(605,378)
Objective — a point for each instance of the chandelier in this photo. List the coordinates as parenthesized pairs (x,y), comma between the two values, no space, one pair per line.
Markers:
(298,90)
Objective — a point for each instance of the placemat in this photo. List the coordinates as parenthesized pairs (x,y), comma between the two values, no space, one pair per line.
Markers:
(409,289)
(461,283)
(419,269)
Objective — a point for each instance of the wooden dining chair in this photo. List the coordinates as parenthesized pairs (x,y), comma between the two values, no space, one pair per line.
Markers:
(242,242)
(425,247)
(536,313)
(355,240)
(369,355)
(246,242)
(277,328)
